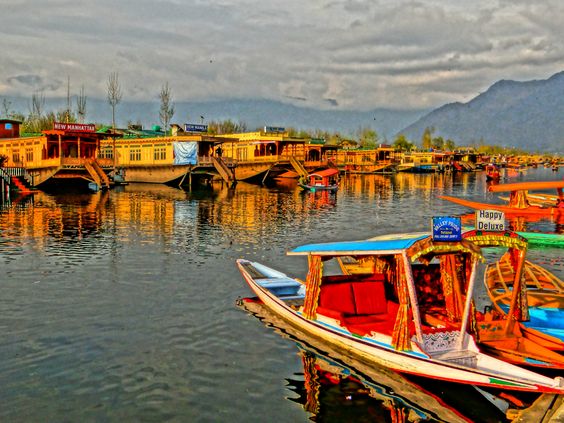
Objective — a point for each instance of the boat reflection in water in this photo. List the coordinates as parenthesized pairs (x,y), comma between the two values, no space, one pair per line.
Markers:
(339,386)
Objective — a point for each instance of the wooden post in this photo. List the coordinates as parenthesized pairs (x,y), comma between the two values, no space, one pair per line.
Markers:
(469,293)
(516,291)
(412,298)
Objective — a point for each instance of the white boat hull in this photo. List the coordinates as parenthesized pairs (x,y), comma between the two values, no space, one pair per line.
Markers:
(377,348)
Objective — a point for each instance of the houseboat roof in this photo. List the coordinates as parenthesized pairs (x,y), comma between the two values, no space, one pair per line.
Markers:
(352,248)
(8,120)
(521,186)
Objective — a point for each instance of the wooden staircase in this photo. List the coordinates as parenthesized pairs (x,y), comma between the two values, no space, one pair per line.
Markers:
(21,185)
(298,167)
(97,174)
(224,171)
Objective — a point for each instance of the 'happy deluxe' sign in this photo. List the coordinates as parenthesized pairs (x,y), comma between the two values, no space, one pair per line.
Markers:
(447,228)
(490,220)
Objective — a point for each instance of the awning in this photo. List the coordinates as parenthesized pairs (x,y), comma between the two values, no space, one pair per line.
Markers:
(325,173)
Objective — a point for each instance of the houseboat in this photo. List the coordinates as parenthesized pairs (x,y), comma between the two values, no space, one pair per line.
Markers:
(268,153)
(66,154)
(424,162)
(177,160)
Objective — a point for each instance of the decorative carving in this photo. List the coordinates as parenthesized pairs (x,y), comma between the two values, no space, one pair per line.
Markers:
(440,341)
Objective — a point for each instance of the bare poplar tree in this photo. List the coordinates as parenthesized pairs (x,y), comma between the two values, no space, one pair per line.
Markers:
(36,109)
(167,106)
(114,97)
(68,110)
(6,104)
(81,105)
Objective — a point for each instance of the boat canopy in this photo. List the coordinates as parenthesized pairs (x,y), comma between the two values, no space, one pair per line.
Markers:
(324,173)
(352,248)
(425,249)
(523,186)
(508,239)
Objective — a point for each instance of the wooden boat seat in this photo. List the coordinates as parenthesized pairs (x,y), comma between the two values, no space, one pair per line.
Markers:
(281,287)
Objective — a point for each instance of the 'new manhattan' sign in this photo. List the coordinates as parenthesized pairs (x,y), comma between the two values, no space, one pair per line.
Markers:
(490,220)
(74,127)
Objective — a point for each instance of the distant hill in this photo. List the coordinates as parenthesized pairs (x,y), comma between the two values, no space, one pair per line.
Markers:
(527,115)
(254,113)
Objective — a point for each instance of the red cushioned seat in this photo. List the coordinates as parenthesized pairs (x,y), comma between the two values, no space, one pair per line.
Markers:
(333,314)
(365,318)
(370,297)
(338,297)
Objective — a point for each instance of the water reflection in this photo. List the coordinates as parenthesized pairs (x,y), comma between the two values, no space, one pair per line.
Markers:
(120,303)
(338,386)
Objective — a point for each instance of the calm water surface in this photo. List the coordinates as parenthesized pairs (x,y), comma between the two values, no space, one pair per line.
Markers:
(120,306)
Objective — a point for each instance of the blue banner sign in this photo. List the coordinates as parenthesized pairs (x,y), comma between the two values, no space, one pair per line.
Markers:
(193,127)
(447,228)
(275,129)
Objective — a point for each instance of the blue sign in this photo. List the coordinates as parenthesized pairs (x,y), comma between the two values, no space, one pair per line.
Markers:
(447,228)
(193,127)
(274,129)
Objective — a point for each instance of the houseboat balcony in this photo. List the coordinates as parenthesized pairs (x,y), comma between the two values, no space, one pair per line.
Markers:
(208,161)
(65,162)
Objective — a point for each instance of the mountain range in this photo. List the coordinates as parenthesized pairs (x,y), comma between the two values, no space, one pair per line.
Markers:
(527,115)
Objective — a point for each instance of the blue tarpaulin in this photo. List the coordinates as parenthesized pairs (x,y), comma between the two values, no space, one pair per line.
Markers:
(185,153)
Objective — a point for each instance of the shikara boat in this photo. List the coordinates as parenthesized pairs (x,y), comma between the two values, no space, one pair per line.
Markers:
(321,180)
(492,173)
(519,203)
(513,284)
(540,306)
(325,367)
(386,316)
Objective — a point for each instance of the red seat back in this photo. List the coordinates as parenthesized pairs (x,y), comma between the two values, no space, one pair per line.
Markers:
(338,296)
(370,297)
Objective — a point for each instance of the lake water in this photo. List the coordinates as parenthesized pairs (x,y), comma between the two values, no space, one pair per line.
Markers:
(121,306)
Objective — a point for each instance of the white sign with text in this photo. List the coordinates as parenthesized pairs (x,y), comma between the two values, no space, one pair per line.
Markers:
(490,220)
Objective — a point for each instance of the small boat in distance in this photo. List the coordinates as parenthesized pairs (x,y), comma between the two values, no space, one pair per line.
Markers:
(519,203)
(492,172)
(326,179)
(398,315)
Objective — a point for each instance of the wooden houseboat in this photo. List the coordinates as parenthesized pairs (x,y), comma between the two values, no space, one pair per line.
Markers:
(66,154)
(424,162)
(264,154)
(362,161)
(175,160)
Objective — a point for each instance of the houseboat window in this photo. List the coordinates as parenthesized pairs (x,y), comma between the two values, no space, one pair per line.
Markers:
(106,153)
(8,126)
(29,154)
(16,156)
(160,153)
(135,154)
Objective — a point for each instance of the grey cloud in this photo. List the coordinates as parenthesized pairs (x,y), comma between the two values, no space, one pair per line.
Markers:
(394,52)
(32,81)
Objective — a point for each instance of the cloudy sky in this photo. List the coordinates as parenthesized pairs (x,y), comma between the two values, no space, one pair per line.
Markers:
(355,54)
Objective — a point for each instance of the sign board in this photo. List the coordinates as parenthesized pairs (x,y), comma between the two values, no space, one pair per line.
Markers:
(194,127)
(447,228)
(490,220)
(274,129)
(75,127)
